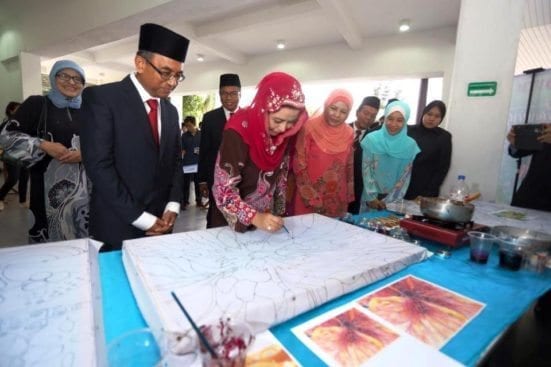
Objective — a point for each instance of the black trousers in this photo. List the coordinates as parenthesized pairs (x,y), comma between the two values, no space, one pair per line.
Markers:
(15,174)
(39,231)
(188,177)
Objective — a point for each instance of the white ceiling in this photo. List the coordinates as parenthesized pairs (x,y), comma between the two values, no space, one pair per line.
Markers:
(238,30)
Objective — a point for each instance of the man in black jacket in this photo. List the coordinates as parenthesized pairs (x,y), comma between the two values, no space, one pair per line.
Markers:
(535,190)
(130,140)
(211,134)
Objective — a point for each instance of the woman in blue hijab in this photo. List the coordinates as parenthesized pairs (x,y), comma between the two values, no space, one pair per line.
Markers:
(48,128)
(388,155)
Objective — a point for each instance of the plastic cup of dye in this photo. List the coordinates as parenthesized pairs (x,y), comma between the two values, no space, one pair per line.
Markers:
(481,246)
(510,254)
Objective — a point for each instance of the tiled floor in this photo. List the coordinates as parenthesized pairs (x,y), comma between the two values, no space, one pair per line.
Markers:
(526,344)
(15,221)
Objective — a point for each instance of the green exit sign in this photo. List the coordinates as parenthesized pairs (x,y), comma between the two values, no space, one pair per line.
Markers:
(482,89)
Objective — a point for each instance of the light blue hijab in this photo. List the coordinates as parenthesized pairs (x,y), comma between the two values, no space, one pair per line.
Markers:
(58,99)
(399,146)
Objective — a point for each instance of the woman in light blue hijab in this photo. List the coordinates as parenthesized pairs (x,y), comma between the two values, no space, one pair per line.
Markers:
(388,155)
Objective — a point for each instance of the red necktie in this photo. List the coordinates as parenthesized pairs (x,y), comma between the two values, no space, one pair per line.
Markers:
(153,105)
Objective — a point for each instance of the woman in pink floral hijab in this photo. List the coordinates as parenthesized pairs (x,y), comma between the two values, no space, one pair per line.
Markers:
(250,174)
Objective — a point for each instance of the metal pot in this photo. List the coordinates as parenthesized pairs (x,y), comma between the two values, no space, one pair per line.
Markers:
(447,210)
(526,239)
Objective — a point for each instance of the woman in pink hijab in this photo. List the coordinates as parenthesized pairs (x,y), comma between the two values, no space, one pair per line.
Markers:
(323,160)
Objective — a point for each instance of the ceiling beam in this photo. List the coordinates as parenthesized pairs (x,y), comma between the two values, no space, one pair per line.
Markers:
(213,47)
(129,46)
(222,51)
(249,20)
(121,49)
(342,18)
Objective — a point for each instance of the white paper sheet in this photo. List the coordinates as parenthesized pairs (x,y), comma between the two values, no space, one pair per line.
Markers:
(50,305)
(257,277)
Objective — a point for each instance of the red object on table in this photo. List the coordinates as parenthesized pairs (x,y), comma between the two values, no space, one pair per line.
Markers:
(445,234)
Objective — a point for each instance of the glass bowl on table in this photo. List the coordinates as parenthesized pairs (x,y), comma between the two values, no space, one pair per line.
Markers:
(147,347)
(135,348)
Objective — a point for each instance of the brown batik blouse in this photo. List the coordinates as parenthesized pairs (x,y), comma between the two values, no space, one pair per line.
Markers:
(241,189)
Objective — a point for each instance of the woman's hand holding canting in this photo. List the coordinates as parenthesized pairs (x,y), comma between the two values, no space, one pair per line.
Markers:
(267,222)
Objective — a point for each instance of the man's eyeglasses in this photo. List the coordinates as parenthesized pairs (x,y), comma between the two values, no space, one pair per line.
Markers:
(66,78)
(167,75)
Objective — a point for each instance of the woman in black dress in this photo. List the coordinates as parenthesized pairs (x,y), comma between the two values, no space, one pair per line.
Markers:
(48,129)
(431,165)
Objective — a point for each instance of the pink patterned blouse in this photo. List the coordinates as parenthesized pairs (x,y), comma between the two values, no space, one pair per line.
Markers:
(324,182)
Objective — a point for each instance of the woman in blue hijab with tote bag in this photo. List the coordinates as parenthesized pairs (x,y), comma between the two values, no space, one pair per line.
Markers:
(48,129)
(388,154)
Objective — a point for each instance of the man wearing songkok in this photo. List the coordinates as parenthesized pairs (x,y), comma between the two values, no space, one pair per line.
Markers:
(131,143)
(211,134)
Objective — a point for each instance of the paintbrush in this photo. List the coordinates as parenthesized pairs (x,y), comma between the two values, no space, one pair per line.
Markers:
(201,336)
(286,230)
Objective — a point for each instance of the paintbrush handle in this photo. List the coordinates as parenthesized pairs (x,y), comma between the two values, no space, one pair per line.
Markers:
(201,336)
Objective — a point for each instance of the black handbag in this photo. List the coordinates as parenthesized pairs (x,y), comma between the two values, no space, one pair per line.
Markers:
(14,154)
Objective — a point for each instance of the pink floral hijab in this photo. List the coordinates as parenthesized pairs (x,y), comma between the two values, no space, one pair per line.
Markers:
(275,90)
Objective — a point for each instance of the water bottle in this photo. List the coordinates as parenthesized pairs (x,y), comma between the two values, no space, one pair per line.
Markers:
(460,190)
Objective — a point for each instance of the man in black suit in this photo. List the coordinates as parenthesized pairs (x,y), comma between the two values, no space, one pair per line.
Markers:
(365,118)
(211,135)
(131,147)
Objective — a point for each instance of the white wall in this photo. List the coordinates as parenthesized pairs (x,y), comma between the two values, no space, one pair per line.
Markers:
(423,54)
(487,43)
(45,24)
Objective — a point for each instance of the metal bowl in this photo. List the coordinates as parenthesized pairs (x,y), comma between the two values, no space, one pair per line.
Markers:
(527,239)
(447,210)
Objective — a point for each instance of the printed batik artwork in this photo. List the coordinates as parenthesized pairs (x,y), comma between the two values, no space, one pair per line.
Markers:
(271,356)
(349,338)
(267,351)
(422,309)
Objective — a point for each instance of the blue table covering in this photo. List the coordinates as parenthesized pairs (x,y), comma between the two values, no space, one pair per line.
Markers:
(507,295)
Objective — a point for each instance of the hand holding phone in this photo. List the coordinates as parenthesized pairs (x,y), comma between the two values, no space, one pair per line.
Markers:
(545,137)
(527,136)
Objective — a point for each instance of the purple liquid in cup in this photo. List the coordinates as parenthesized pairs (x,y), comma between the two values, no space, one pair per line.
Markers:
(479,256)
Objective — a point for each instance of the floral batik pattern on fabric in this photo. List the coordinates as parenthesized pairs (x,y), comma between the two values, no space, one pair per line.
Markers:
(66,193)
(227,197)
(21,146)
(238,195)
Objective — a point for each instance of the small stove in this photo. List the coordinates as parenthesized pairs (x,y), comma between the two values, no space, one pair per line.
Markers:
(446,233)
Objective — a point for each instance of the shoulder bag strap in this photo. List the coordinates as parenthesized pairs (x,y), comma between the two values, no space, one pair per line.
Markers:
(42,128)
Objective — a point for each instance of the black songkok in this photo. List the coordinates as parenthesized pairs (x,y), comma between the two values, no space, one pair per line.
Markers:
(230,80)
(163,41)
